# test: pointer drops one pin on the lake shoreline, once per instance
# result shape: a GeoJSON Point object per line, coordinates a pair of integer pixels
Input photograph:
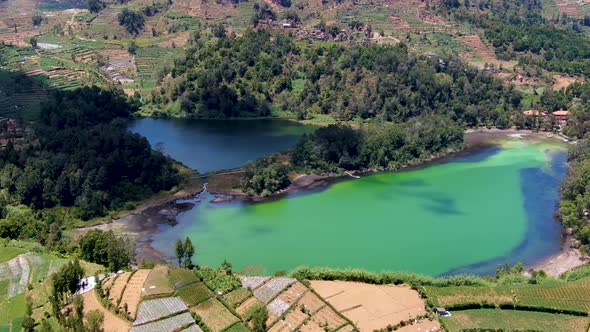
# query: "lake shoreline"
{"type": "Point", "coordinates": [142, 225]}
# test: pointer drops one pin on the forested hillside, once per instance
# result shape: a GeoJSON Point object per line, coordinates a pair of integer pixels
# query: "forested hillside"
{"type": "Point", "coordinates": [250, 75]}
{"type": "Point", "coordinates": [518, 31]}
{"type": "Point", "coordinates": [78, 154]}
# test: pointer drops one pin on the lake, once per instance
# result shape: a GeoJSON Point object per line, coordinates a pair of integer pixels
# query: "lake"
{"type": "Point", "coordinates": [213, 145]}
{"type": "Point", "coordinates": [466, 215]}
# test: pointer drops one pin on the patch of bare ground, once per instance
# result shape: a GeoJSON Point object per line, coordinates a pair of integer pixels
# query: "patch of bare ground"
{"type": "Point", "coordinates": [112, 323]}
{"type": "Point", "coordinates": [560, 82]}
{"type": "Point", "coordinates": [249, 303]}
{"type": "Point", "coordinates": [399, 23]}
{"type": "Point", "coordinates": [311, 303]}
{"type": "Point", "coordinates": [177, 41]}
{"type": "Point", "coordinates": [132, 293]}
{"type": "Point", "coordinates": [157, 282]}
{"type": "Point", "coordinates": [204, 9]}
{"type": "Point", "coordinates": [568, 7]}
{"type": "Point", "coordinates": [486, 52]}
{"type": "Point", "coordinates": [118, 286]}
{"type": "Point", "coordinates": [565, 260]}
{"type": "Point", "coordinates": [328, 318]}
{"type": "Point", "coordinates": [371, 307]}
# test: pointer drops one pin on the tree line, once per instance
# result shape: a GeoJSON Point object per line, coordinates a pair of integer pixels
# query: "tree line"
{"type": "Point", "coordinates": [338, 148]}
{"type": "Point", "coordinates": [249, 75]}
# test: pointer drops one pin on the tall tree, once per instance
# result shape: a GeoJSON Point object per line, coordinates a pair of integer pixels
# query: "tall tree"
{"type": "Point", "coordinates": [189, 251]}
{"type": "Point", "coordinates": [179, 251]}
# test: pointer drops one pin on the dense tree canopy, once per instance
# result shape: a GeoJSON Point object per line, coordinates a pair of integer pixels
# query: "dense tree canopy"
{"type": "Point", "coordinates": [132, 21]}
{"type": "Point", "coordinates": [574, 207]}
{"type": "Point", "coordinates": [385, 147]}
{"type": "Point", "coordinates": [232, 77]}
{"type": "Point", "coordinates": [80, 155]}
{"type": "Point", "coordinates": [106, 249]}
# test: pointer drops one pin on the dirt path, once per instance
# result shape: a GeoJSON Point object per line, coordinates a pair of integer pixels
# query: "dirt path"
{"type": "Point", "coordinates": [112, 323]}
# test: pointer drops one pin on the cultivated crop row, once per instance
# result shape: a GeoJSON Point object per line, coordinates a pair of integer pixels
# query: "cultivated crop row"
{"type": "Point", "coordinates": [152, 310]}
{"type": "Point", "coordinates": [174, 323]}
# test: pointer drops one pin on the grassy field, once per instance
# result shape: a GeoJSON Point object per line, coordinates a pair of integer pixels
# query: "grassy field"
{"type": "Point", "coordinates": [9, 253]}
{"type": "Point", "coordinates": [514, 320]}
{"type": "Point", "coordinates": [194, 293]}
{"type": "Point", "coordinates": [572, 296]}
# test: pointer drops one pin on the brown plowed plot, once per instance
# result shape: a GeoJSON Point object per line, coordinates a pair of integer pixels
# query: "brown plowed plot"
{"type": "Point", "coordinates": [399, 23]}
{"type": "Point", "coordinates": [246, 306]}
{"type": "Point", "coordinates": [215, 315]}
{"type": "Point", "coordinates": [327, 317]}
{"type": "Point", "coordinates": [293, 293]}
{"type": "Point", "coordinates": [280, 327]}
{"type": "Point", "coordinates": [294, 318]}
{"type": "Point", "coordinates": [474, 41]}
{"type": "Point", "coordinates": [157, 282]}
{"type": "Point", "coordinates": [118, 287]}
{"type": "Point", "coordinates": [153, 310]}
{"type": "Point", "coordinates": [568, 7]}
{"type": "Point", "coordinates": [111, 323]}
{"type": "Point", "coordinates": [272, 288]}
{"type": "Point", "coordinates": [132, 292]}
{"type": "Point", "coordinates": [311, 302]}
{"type": "Point", "coordinates": [311, 326]}
{"type": "Point", "coordinates": [371, 307]}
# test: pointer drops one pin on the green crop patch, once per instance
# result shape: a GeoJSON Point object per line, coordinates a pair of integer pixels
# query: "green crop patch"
{"type": "Point", "coordinates": [194, 293]}
{"type": "Point", "coordinates": [508, 320]}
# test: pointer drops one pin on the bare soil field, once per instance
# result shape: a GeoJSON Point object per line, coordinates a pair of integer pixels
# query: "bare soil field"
{"type": "Point", "coordinates": [311, 302]}
{"type": "Point", "coordinates": [132, 293]}
{"type": "Point", "coordinates": [327, 317]}
{"type": "Point", "coordinates": [249, 303]}
{"type": "Point", "coordinates": [479, 48]}
{"type": "Point", "coordinates": [293, 293]}
{"type": "Point", "coordinates": [118, 286]}
{"type": "Point", "coordinates": [371, 307]}
{"type": "Point", "coordinates": [568, 7]}
{"type": "Point", "coordinates": [112, 323]}
{"type": "Point", "coordinates": [563, 81]}
{"type": "Point", "coordinates": [295, 318]}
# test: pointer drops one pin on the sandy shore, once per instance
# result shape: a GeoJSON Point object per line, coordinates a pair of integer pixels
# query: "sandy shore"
{"type": "Point", "coordinates": [555, 265]}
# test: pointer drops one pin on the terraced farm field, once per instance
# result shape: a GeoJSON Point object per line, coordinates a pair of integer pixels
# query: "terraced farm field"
{"type": "Point", "coordinates": [514, 320]}
{"type": "Point", "coordinates": [22, 269]}
{"type": "Point", "coordinates": [572, 296]}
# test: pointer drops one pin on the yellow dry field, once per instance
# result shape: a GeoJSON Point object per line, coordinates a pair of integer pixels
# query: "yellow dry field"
{"type": "Point", "coordinates": [371, 307]}
{"type": "Point", "coordinates": [112, 323]}
{"type": "Point", "coordinates": [132, 293]}
{"type": "Point", "coordinates": [158, 282]}
{"type": "Point", "coordinates": [118, 287]}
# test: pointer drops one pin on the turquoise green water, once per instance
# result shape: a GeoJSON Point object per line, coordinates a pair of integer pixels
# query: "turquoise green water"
{"type": "Point", "coordinates": [466, 215]}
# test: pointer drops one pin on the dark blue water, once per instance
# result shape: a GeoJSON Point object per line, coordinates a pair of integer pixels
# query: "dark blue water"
{"type": "Point", "coordinates": [213, 145]}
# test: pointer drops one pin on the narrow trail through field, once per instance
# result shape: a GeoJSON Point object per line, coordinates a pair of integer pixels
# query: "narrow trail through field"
{"type": "Point", "coordinates": [111, 321]}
